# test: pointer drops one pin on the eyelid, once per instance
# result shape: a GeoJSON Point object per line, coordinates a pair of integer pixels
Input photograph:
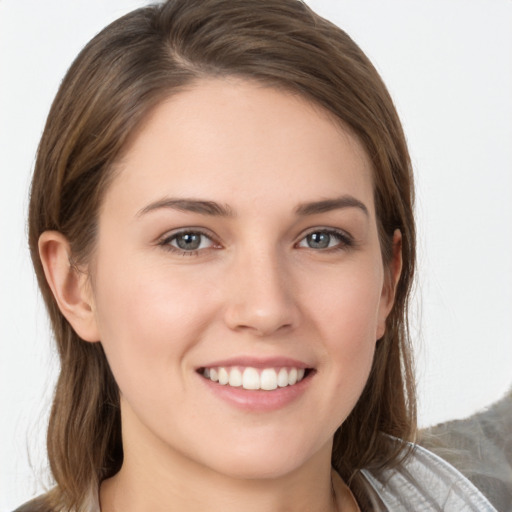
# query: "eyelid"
{"type": "Point", "coordinates": [346, 239]}
{"type": "Point", "coordinates": [165, 240]}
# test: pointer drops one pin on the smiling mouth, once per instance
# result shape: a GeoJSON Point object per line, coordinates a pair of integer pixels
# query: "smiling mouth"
{"type": "Point", "coordinates": [266, 379]}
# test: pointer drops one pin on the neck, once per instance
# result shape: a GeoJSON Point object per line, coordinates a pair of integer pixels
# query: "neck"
{"type": "Point", "coordinates": [128, 492]}
{"type": "Point", "coordinates": [158, 478]}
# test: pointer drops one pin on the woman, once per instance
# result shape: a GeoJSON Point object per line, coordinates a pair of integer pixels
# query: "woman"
{"type": "Point", "coordinates": [221, 225]}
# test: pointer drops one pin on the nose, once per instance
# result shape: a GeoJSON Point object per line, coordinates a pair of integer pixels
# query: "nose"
{"type": "Point", "coordinates": [260, 296]}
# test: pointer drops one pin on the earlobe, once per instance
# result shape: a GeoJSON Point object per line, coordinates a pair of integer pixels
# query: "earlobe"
{"type": "Point", "coordinates": [69, 286]}
{"type": "Point", "coordinates": [391, 281]}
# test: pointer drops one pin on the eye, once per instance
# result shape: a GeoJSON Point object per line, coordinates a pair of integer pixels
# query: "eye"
{"type": "Point", "coordinates": [187, 242]}
{"type": "Point", "coordinates": [326, 239]}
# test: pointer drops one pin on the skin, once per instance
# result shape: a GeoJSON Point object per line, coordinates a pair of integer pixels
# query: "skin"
{"type": "Point", "coordinates": [255, 288]}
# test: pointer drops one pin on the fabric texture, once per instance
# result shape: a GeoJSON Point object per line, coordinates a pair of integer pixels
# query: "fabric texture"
{"type": "Point", "coordinates": [480, 447]}
{"type": "Point", "coordinates": [423, 482]}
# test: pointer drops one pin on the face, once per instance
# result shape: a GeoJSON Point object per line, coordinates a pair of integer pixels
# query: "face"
{"type": "Point", "coordinates": [237, 286]}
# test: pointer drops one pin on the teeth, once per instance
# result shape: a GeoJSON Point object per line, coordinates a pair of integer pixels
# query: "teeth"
{"type": "Point", "coordinates": [235, 378]}
{"type": "Point", "coordinates": [223, 376]}
{"type": "Point", "coordinates": [282, 378]}
{"type": "Point", "coordinates": [266, 379]}
{"type": "Point", "coordinates": [251, 379]}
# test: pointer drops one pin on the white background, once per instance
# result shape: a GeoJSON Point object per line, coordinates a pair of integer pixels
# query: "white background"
{"type": "Point", "coordinates": [447, 63]}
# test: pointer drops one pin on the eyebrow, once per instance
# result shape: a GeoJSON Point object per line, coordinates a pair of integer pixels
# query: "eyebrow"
{"type": "Point", "coordinates": [327, 205]}
{"type": "Point", "coordinates": [212, 208]}
{"type": "Point", "coordinates": [189, 205]}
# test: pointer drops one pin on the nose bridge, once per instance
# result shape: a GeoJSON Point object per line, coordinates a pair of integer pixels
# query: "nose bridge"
{"type": "Point", "coordinates": [260, 292]}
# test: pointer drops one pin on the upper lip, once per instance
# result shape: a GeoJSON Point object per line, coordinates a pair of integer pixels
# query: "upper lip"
{"type": "Point", "coordinates": [258, 362]}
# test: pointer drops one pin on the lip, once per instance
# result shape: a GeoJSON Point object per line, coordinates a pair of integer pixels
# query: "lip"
{"type": "Point", "coordinates": [258, 400]}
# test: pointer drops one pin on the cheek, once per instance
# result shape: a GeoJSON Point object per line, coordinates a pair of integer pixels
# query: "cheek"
{"type": "Point", "coordinates": [347, 307]}
{"type": "Point", "coordinates": [148, 319]}
{"type": "Point", "coordinates": [346, 317]}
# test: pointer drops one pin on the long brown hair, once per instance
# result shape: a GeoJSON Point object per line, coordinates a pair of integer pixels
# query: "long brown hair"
{"type": "Point", "coordinates": [117, 79]}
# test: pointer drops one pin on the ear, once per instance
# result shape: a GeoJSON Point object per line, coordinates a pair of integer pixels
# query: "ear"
{"type": "Point", "coordinates": [392, 275]}
{"type": "Point", "coordinates": [70, 286]}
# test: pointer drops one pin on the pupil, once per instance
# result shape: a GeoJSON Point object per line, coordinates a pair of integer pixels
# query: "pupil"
{"type": "Point", "coordinates": [189, 241]}
{"type": "Point", "coordinates": [319, 240]}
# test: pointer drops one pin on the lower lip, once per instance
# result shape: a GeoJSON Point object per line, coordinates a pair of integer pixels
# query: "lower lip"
{"type": "Point", "coordinates": [258, 400]}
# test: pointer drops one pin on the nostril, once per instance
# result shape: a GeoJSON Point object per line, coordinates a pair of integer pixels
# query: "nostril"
{"type": "Point", "coordinates": [262, 307]}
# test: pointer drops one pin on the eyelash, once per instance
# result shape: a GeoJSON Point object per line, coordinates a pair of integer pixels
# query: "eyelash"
{"type": "Point", "coordinates": [165, 243]}
{"type": "Point", "coordinates": [345, 241]}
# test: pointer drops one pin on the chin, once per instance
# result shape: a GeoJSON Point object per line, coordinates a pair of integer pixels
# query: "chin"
{"type": "Point", "coordinates": [261, 468]}
{"type": "Point", "coordinates": [270, 461]}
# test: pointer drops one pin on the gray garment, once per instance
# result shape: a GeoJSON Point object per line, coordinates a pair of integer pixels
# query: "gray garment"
{"type": "Point", "coordinates": [424, 482]}
{"type": "Point", "coordinates": [480, 447]}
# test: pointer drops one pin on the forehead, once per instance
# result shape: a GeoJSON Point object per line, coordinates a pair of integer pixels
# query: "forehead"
{"type": "Point", "coordinates": [228, 136]}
